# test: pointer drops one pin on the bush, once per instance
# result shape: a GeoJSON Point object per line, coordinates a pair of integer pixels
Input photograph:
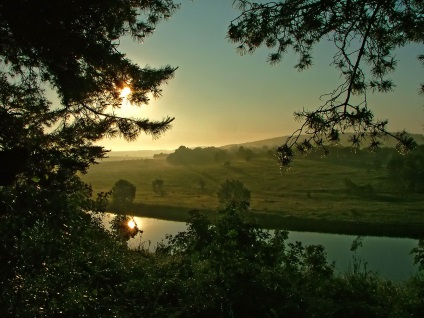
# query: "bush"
{"type": "Point", "coordinates": [123, 194]}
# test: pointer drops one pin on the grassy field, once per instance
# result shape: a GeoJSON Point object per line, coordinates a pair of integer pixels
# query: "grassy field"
{"type": "Point", "coordinates": [312, 194]}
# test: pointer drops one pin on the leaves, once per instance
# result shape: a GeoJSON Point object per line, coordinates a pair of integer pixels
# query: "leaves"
{"type": "Point", "coordinates": [123, 194]}
{"type": "Point", "coordinates": [60, 78]}
{"type": "Point", "coordinates": [365, 34]}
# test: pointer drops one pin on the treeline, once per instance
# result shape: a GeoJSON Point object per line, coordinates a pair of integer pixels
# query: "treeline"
{"type": "Point", "coordinates": [184, 155]}
{"type": "Point", "coordinates": [354, 157]}
{"type": "Point", "coordinates": [406, 172]}
{"type": "Point", "coordinates": [335, 154]}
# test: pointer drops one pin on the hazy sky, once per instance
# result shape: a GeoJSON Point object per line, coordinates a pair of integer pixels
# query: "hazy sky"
{"type": "Point", "coordinates": [219, 97]}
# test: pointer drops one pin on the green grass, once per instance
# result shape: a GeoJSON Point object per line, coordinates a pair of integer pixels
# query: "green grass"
{"type": "Point", "coordinates": [312, 191]}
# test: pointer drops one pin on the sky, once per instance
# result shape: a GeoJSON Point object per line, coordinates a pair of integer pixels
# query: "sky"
{"type": "Point", "coordinates": [219, 97]}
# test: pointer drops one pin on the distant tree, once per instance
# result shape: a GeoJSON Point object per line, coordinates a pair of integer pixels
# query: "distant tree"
{"type": "Point", "coordinates": [160, 155]}
{"type": "Point", "coordinates": [408, 171]}
{"type": "Point", "coordinates": [233, 192]}
{"type": "Point", "coordinates": [157, 185]}
{"type": "Point", "coordinates": [221, 155]}
{"type": "Point", "coordinates": [270, 154]}
{"type": "Point", "coordinates": [123, 194]}
{"type": "Point", "coordinates": [245, 153]}
{"type": "Point", "coordinates": [365, 34]}
{"type": "Point", "coordinates": [196, 156]}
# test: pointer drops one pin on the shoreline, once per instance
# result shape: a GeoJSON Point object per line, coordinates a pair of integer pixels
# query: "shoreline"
{"type": "Point", "coordinates": [291, 223]}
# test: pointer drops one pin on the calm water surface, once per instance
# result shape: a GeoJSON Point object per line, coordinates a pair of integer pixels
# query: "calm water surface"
{"type": "Point", "coordinates": [389, 257]}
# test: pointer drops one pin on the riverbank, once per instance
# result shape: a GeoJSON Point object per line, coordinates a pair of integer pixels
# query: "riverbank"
{"type": "Point", "coordinates": [291, 223]}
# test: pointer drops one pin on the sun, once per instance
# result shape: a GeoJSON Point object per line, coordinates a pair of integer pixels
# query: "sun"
{"type": "Point", "coordinates": [125, 92]}
{"type": "Point", "coordinates": [131, 224]}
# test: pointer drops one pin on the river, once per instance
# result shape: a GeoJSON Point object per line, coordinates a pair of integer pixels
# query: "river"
{"type": "Point", "coordinates": [389, 257]}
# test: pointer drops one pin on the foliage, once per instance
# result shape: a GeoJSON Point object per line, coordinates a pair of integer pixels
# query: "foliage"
{"type": "Point", "coordinates": [56, 258]}
{"type": "Point", "coordinates": [233, 192]}
{"type": "Point", "coordinates": [187, 156]}
{"type": "Point", "coordinates": [226, 268]}
{"type": "Point", "coordinates": [80, 61]}
{"type": "Point", "coordinates": [233, 268]}
{"type": "Point", "coordinates": [365, 34]}
{"type": "Point", "coordinates": [408, 171]}
{"type": "Point", "coordinates": [160, 155]}
{"type": "Point", "coordinates": [61, 78]}
{"type": "Point", "coordinates": [245, 153]}
{"type": "Point", "coordinates": [209, 155]}
{"type": "Point", "coordinates": [419, 254]}
{"type": "Point", "coordinates": [124, 227]}
{"type": "Point", "coordinates": [123, 194]}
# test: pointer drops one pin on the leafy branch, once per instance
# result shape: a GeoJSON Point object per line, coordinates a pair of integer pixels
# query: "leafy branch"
{"type": "Point", "coordinates": [365, 34]}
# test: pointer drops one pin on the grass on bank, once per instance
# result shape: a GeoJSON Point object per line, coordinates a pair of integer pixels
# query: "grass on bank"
{"type": "Point", "coordinates": [312, 190]}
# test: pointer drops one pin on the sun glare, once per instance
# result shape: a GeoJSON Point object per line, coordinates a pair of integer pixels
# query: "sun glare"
{"type": "Point", "coordinates": [125, 92]}
{"type": "Point", "coordinates": [131, 224]}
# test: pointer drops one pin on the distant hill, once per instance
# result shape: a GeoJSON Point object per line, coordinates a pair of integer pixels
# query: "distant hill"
{"type": "Point", "coordinates": [271, 142]}
{"type": "Point", "coordinates": [344, 140]}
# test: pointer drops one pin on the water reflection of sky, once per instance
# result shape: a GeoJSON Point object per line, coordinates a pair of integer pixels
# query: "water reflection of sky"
{"type": "Point", "coordinates": [154, 231]}
{"type": "Point", "coordinates": [390, 257]}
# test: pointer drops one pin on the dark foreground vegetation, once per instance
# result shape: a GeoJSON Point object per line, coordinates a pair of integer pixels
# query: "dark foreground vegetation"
{"type": "Point", "coordinates": [226, 268]}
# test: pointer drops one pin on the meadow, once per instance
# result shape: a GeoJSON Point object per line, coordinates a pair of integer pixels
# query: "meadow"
{"type": "Point", "coordinates": [311, 196]}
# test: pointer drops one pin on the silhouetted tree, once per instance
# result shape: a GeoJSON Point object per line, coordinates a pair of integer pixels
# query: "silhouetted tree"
{"type": "Point", "coordinates": [221, 155]}
{"type": "Point", "coordinates": [365, 34]}
{"type": "Point", "coordinates": [124, 227]}
{"type": "Point", "coordinates": [12, 162]}
{"type": "Point", "coordinates": [72, 46]}
{"type": "Point", "coordinates": [245, 153]}
{"type": "Point", "coordinates": [61, 77]}
{"type": "Point", "coordinates": [160, 155]}
{"type": "Point", "coordinates": [408, 171]}
{"type": "Point", "coordinates": [233, 192]}
{"type": "Point", "coordinates": [123, 194]}
{"type": "Point", "coordinates": [157, 185]}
